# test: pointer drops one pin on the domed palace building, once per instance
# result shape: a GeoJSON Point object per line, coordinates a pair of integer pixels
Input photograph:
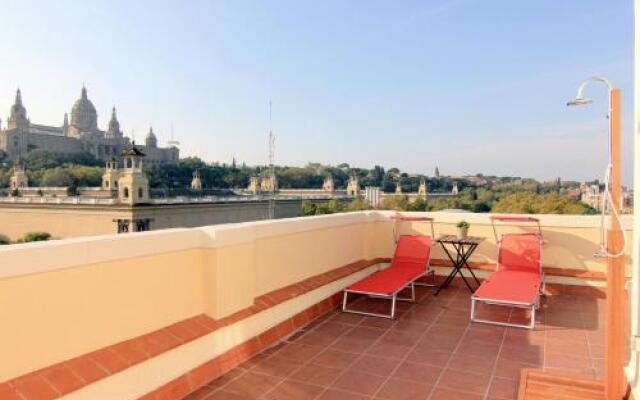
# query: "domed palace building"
{"type": "Point", "coordinates": [80, 134]}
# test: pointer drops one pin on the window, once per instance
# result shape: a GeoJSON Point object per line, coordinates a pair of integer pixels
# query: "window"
{"type": "Point", "coordinates": [125, 193]}
{"type": "Point", "coordinates": [140, 193]}
{"type": "Point", "coordinates": [123, 225]}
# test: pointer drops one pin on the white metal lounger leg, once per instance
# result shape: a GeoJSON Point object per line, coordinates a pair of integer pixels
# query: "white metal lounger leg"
{"type": "Point", "coordinates": [533, 317]}
{"type": "Point", "coordinates": [530, 325]}
{"type": "Point", "coordinates": [473, 309]}
{"type": "Point", "coordinates": [393, 299]}
{"type": "Point", "coordinates": [344, 301]}
{"type": "Point", "coordinates": [393, 306]}
{"type": "Point", "coordinates": [413, 293]}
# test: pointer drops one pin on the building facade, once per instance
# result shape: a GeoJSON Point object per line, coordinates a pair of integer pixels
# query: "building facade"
{"type": "Point", "coordinates": [80, 133]}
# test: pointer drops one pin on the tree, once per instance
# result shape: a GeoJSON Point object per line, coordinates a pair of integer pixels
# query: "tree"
{"type": "Point", "coordinates": [309, 207]}
{"type": "Point", "coordinates": [34, 237]}
{"type": "Point", "coordinates": [534, 203]}
{"type": "Point", "coordinates": [398, 203]}
{"type": "Point", "coordinates": [56, 177]}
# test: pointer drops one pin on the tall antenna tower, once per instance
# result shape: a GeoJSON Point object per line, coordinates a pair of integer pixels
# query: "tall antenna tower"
{"type": "Point", "coordinates": [172, 141]}
{"type": "Point", "coordinates": [272, 169]}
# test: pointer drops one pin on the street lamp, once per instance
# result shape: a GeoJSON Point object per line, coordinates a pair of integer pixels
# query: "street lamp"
{"type": "Point", "coordinates": [615, 245]}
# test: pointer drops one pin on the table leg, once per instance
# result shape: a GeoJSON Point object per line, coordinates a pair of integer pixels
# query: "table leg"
{"type": "Point", "coordinates": [451, 275]}
{"type": "Point", "coordinates": [466, 256]}
{"type": "Point", "coordinates": [462, 256]}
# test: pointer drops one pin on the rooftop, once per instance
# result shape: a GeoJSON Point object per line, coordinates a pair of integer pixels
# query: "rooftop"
{"type": "Point", "coordinates": [251, 310]}
{"type": "Point", "coordinates": [430, 351]}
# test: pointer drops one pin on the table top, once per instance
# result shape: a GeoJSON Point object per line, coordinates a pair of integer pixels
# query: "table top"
{"type": "Point", "coordinates": [454, 239]}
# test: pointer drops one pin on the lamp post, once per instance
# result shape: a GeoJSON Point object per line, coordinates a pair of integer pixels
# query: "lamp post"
{"type": "Point", "coordinates": [614, 330]}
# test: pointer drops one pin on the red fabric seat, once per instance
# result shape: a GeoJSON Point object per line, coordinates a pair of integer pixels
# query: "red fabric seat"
{"type": "Point", "coordinates": [518, 280]}
{"type": "Point", "coordinates": [385, 282]}
{"type": "Point", "coordinates": [510, 287]}
{"type": "Point", "coordinates": [410, 262]}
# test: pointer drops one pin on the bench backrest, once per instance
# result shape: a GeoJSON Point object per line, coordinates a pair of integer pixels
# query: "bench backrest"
{"type": "Point", "coordinates": [520, 252]}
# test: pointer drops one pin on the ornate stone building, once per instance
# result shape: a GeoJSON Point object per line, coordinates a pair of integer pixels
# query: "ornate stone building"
{"type": "Point", "coordinates": [79, 134]}
{"type": "Point", "coordinates": [329, 184]}
{"type": "Point", "coordinates": [196, 182]}
{"type": "Point", "coordinates": [353, 185]}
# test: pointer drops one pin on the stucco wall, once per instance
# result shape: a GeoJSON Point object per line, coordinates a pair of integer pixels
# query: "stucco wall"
{"type": "Point", "coordinates": [570, 240]}
{"type": "Point", "coordinates": [64, 221]}
{"type": "Point", "coordinates": [60, 222]}
{"type": "Point", "coordinates": [68, 297]}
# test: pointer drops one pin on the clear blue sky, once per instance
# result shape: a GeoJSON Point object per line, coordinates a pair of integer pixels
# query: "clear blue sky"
{"type": "Point", "coordinates": [470, 86]}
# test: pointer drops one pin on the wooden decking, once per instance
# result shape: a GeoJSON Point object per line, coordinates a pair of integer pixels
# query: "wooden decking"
{"type": "Point", "coordinates": [539, 385]}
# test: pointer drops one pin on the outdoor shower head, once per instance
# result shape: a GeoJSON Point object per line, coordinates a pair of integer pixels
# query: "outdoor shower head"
{"type": "Point", "coordinates": [579, 101]}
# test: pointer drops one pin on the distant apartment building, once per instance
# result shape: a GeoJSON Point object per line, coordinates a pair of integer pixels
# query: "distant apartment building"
{"type": "Point", "coordinates": [592, 195]}
{"type": "Point", "coordinates": [79, 134]}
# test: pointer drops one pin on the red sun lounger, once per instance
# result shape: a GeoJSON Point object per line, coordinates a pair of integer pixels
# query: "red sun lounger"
{"type": "Point", "coordinates": [518, 281]}
{"type": "Point", "coordinates": [410, 262]}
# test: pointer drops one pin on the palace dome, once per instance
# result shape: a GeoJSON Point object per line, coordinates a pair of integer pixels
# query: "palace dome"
{"type": "Point", "coordinates": [151, 140]}
{"type": "Point", "coordinates": [83, 114]}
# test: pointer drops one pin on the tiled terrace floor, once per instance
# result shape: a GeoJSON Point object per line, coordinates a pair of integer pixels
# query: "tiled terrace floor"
{"type": "Point", "coordinates": [430, 351]}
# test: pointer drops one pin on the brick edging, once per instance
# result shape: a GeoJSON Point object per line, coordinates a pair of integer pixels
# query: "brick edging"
{"type": "Point", "coordinates": [199, 376]}
{"type": "Point", "coordinates": [70, 375]}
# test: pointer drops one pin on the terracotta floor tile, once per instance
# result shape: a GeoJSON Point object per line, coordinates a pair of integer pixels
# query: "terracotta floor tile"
{"type": "Point", "coordinates": [200, 394]}
{"type": "Point", "coordinates": [448, 394]}
{"type": "Point", "coordinates": [390, 350]}
{"type": "Point", "coordinates": [299, 352]}
{"type": "Point", "coordinates": [350, 357]}
{"type": "Point", "coordinates": [346, 318]}
{"type": "Point", "coordinates": [370, 364]}
{"type": "Point", "coordinates": [465, 362]}
{"type": "Point", "coordinates": [317, 374]}
{"type": "Point", "coordinates": [277, 366]}
{"type": "Point", "coordinates": [403, 338]}
{"type": "Point", "coordinates": [252, 384]}
{"type": "Point", "coordinates": [359, 382]}
{"type": "Point", "coordinates": [531, 355]}
{"type": "Point", "coordinates": [566, 361]}
{"type": "Point", "coordinates": [398, 389]}
{"type": "Point", "coordinates": [418, 372]}
{"type": "Point", "coordinates": [333, 328]}
{"type": "Point", "coordinates": [335, 358]}
{"type": "Point", "coordinates": [226, 378]}
{"type": "Point", "coordinates": [596, 351]}
{"type": "Point", "coordinates": [511, 369]}
{"type": "Point", "coordinates": [464, 381]}
{"type": "Point", "coordinates": [225, 395]}
{"type": "Point", "coordinates": [334, 394]}
{"type": "Point", "coordinates": [293, 390]}
{"type": "Point", "coordinates": [500, 388]}
{"type": "Point", "coordinates": [314, 338]}
{"type": "Point", "coordinates": [409, 324]}
{"type": "Point", "coordinates": [353, 344]}
{"type": "Point", "coordinates": [427, 355]}
{"type": "Point", "coordinates": [375, 322]}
